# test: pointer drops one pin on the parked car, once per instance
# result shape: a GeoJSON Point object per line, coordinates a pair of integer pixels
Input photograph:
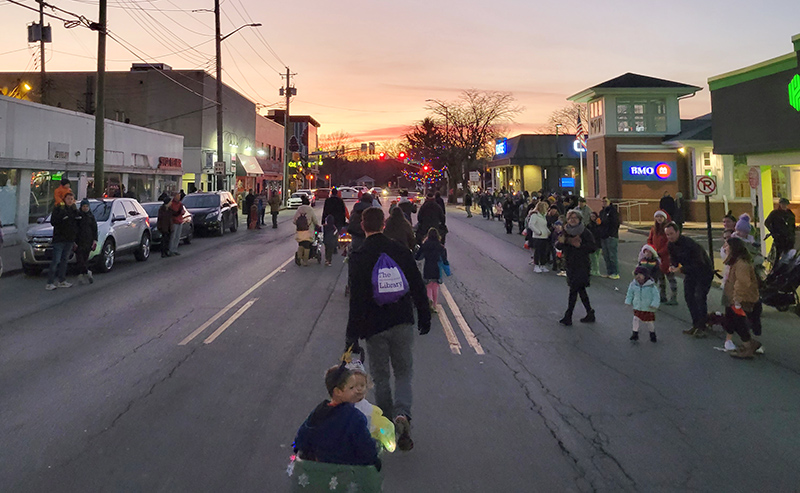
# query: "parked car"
{"type": "Point", "coordinates": [322, 193]}
{"type": "Point", "coordinates": [187, 231]}
{"type": "Point", "coordinates": [361, 190]}
{"type": "Point", "coordinates": [123, 226]}
{"type": "Point", "coordinates": [414, 197]}
{"type": "Point", "coordinates": [380, 192]}
{"type": "Point", "coordinates": [296, 200]}
{"type": "Point", "coordinates": [348, 193]}
{"type": "Point", "coordinates": [213, 212]}
{"type": "Point", "coordinates": [312, 196]}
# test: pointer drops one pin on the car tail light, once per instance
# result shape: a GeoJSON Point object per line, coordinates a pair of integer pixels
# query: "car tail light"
{"type": "Point", "coordinates": [147, 221]}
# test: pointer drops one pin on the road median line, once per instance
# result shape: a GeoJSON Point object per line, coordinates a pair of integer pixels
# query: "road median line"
{"type": "Point", "coordinates": [233, 303]}
{"type": "Point", "coordinates": [455, 346]}
{"type": "Point", "coordinates": [230, 321]}
{"type": "Point", "coordinates": [462, 322]}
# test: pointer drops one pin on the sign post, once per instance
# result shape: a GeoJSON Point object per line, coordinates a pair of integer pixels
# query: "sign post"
{"type": "Point", "coordinates": [707, 186]}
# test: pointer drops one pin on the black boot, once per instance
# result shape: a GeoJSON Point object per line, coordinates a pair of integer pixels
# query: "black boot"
{"type": "Point", "coordinates": [653, 337]}
{"type": "Point", "coordinates": [589, 318]}
{"type": "Point", "coordinates": [567, 320]}
{"type": "Point", "coordinates": [634, 336]}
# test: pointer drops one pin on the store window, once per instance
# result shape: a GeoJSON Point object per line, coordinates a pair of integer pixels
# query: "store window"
{"type": "Point", "coordinates": [43, 184]}
{"type": "Point", "coordinates": [641, 115]}
{"type": "Point", "coordinates": [706, 167]}
{"type": "Point", "coordinates": [9, 182]}
{"type": "Point", "coordinates": [596, 117]}
{"type": "Point", "coordinates": [741, 182]}
{"type": "Point", "coordinates": [141, 187]}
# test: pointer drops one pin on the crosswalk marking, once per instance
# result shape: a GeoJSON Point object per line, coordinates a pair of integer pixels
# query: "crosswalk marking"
{"type": "Point", "coordinates": [230, 321]}
{"type": "Point", "coordinates": [462, 323]}
{"type": "Point", "coordinates": [455, 346]}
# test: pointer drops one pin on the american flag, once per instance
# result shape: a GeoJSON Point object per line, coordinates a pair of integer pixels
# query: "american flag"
{"type": "Point", "coordinates": [581, 132]}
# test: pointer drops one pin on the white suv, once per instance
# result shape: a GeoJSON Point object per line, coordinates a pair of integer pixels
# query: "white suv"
{"type": "Point", "coordinates": [122, 227]}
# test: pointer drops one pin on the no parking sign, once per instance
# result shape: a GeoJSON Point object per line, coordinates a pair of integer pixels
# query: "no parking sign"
{"type": "Point", "coordinates": [705, 185]}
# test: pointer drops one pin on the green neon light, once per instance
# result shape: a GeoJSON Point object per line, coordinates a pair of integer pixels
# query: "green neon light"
{"type": "Point", "coordinates": [794, 92]}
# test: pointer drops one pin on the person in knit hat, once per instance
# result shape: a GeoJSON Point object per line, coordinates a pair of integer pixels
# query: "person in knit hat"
{"type": "Point", "coordinates": [648, 258]}
{"type": "Point", "coordinates": [743, 229]}
{"type": "Point", "coordinates": [644, 299]}
{"type": "Point", "coordinates": [658, 240]}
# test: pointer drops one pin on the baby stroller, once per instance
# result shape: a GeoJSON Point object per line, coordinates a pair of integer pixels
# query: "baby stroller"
{"type": "Point", "coordinates": [779, 289]}
{"type": "Point", "coordinates": [315, 251]}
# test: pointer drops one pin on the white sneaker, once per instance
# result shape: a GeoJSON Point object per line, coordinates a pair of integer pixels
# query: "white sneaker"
{"type": "Point", "coordinates": [562, 273]}
{"type": "Point", "coordinates": [544, 269]}
{"type": "Point", "coordinates": [537, 269]}
{"type": "Point", "coordinates": [50, 287]}
{"type": "Point", "coordinates": [760, 350]}
{"type": "Point", "coordinates": [730, 346]}
{"type": "Point", "coordinates": [89, 276]}
{"type": "Point", "coordinates": [64, 284]}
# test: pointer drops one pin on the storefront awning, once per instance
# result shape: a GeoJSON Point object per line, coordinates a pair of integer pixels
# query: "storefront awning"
{"type": "Point", "coordinates": [247, 166]}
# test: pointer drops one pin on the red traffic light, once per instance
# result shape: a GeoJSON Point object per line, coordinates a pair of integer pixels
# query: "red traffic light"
{"type": "Point", "coordinates": [382, 156]}
{"type": "Point", "coordinates": [426, 168]}
{"type": "Point", "coordinates": [401, 155]}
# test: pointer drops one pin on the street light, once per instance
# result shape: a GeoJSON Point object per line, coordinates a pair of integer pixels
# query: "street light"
{"type": "Point", "coordinates": [219, 38]}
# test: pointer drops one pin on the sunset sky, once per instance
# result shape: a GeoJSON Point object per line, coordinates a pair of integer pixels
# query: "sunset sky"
{"type": "Point", "coordinates": [367, 67]}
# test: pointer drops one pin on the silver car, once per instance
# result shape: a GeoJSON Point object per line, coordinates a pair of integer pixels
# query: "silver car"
{"type": "Point", "coordinates": [122, 227]}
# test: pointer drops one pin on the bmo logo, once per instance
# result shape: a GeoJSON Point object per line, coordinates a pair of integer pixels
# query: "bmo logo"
{"type": "Point", "coordinates": [648, 171]}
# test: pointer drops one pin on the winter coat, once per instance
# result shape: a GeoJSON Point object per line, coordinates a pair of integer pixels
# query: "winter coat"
{"type": "Point", "coordinates": [330, 236]}
{"type": "Point", "coordinates": [576, 259]}
{"type": "Point", "coordinates": [643, 297]}
{"type": "Point", "coordinates": [509, 210]}
{"type": "Point", "coordinates": [313, 223]}
{"type": "Point", "coordinates": [164, 219]}
{"type": "Point", "coordinates": [430, 215]}
{"type": "Point", "coordinates": [65, 227]}
{"type": "Point", "coordinates": [468, 200]}
{"type": "Point", "coordinates": [653, 265]}
{"type": "Point", "coordinates": [176, 208]}
{"type": "Point", "coordinates": [609, 222]}
{"type": "Point", "coordinates": [741, 286]}
{"type": "Point", "coordinates": [667, 204]}
{"type": "Point", "coordinates": [407, 207]}
{"type": "Point", "coordinates": [275, 203]}
{"type": "Point", "coordinates": [87, 229]}
{"type": "Point", "coordinates": [689, 254]}
{"type": "Point", "coordinates": [432, 251]}
{"type": "Point", "coordinates": [336, 435]}
{"type": "Point", "coordinates": [334, 206]}
{"type": "Point", "coordinates": [586, 214]}
{"type": "Point", "coordinates": [440, 202]}
{"type": "Point", "coordinates": [658, 240]}
{"type": "Point", "coordinates": [367, 318]}
{"type": "Point", "coordinates": [782, 225]}
{"type": "Point", "coordinates": [537, 224]}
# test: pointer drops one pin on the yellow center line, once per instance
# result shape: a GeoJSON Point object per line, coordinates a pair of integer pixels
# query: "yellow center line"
{"type": "Point", "coordinates": [230, 321]}
{"type": "Point", "coordinates": [233, 303]}
{"type": "Point", "coordinates": [468, 335]}
{"type": "Point", "coordinates": [455, 346]}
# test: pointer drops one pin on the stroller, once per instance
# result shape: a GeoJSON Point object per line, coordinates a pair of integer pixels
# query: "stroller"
{"type": "Point", "coordinates": [315, 251]}
{"type": "Point", "coordinates": [779, 289]}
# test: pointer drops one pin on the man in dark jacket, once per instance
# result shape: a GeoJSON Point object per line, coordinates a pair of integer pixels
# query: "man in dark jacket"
{"type": "Point", "coordinates": [440, 201]}
{"type": "Point", "coordinates": [275, 207]}
{"type": "Point", "coordinates": [249, 201]}
{"type": "Point", "coordinates": [334, 206]}
{"type": "Point", "coordinates": [357, 235]}
{"type": "Point", "coordinates": [686, 256]}
{"type": "Point", "coordinates": [406, 205]}
{"type": "Point", "coordinates": [65, 232]}
{"type": "Point", "coordinates": [86, 240]}
{"type": "Point", "coordinates": [468, 203]}
{"type": "Point", "coordinates": [667, 204]}
{"type": "Point", "coordinates": [388, 329]}
{"type": "Point", "coordinates": [164, 225]}
{"type": "Point", "coordinates": [781, 224]}
{"type": "Point", "coordinates": [609, 237]}
{"type": "Point", "coordinates": [430, 215]}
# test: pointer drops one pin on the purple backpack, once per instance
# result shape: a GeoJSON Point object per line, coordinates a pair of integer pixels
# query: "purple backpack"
{"type": "Point", "coordinates": [389, 284]}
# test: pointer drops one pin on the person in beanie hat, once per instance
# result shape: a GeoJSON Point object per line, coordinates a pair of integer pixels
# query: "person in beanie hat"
{"type": "Point", "coordinates": [61, 192]}
{"type": "Point", "coordinates": [743, 229]}
{"type": "Point", "coordinates": [658, 240]}
{"type": "Point", "coordinates": [644, 299]}
{"type": "Point", "coordinates": [86, 240]}
{"type": "Point", "coordinates": [577, 244]}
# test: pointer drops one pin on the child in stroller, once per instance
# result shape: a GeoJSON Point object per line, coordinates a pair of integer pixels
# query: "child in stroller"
{"type": "Point", "coordinates": [779, 289]}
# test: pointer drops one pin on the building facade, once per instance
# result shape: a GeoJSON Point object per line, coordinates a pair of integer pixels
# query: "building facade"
{"type": "Point", "coordinates": [757, 121]}
{"type": "Point", "coordinates": [43, 144]}
{"type": "Point", "coordinates": [535, 162]}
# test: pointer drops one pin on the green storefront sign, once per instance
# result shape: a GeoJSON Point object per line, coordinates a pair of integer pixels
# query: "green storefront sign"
{"type": "Point", "coordinates": [794, 92]}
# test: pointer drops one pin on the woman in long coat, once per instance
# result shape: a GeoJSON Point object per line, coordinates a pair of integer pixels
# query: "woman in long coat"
{"type": "Point", "coordinates": [577, 244]}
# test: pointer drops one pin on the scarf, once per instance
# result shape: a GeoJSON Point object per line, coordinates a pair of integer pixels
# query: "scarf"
{"type": "Point", "coordinates": [574, 230]}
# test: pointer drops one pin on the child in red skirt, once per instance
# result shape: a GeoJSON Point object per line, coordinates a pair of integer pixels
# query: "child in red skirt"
{"type": "Point", "coordinates": [644, 297]}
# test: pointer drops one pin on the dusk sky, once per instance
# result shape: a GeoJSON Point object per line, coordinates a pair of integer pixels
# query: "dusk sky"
{"type": "Point", "coordinates": [367, 67]}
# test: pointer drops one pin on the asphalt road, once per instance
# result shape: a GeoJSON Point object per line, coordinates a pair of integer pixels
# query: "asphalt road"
{"type": "Point", "coordinates": [193, 374]}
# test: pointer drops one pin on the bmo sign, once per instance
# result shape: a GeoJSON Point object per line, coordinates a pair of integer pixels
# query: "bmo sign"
{"type": "Point", "coordinates": [649, 171]}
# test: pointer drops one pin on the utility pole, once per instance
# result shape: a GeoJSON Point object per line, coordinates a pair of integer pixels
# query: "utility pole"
{"type": "Point", "coordinates": [220, 155]}
{"type": "Point", "coordinates": [288, 92]}
{"type": "Point", "coordinates": [100, 105]}
{"type": "Point", "coordinates": [42, 83]}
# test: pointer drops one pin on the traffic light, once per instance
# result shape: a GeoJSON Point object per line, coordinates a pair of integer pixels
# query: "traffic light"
{"type": "Point", "coordinates": [425, 168]}
{"type": "Point", "coordinates": [382, 155]}
{"type": "Point", "coordinates": [327, 177]}
{"type": "Point", "coordinates": [401, 155]}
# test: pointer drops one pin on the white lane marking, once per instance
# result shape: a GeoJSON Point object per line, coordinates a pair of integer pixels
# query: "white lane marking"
{"type": "Point", "coordinates": [230, 321]}
{"type": "Point", "coordinates": [233, 303]}
{"type": "Point", "coordinates": [455, 346]}
{"type": "Point", "coordinates": [471, 339]}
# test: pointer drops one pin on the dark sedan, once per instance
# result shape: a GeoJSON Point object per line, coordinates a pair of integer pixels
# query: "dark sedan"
{"type": "Point", "coordinates": [187, 232]}
{"type": "Point", "coordinates": [213, 212]}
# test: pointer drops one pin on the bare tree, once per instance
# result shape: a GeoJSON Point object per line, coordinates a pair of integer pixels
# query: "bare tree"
{"type": "Point", "coordinates": [469, 125]}
{"type": "Point", "coordinates": [568, 118]}
{"type": "Point", "coordinates": [335, 141]}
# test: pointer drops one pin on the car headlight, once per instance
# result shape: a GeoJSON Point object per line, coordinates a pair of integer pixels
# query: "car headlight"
{"type": "Point", "coordinates": [213, 215]}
